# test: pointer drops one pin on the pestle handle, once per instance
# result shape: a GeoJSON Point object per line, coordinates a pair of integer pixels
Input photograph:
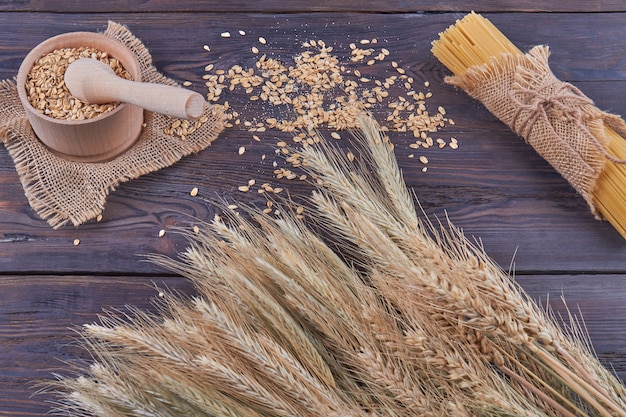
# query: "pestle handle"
{"type": "Point", "coordinates": [93, 81]}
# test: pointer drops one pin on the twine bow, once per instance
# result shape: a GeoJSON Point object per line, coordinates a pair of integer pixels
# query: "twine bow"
{"type": "Point", "coordinates": [558, 101]}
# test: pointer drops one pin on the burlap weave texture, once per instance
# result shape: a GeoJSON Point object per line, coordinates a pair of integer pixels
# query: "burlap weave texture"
{"type": "Point", "coordinates": [554, 117]}
{"type": "Point", "coordinates": [64, 192]}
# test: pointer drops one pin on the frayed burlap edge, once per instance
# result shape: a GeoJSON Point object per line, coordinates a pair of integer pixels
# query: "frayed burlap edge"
{"type": "Point", "coordinates": [554, 117]}
{"type": "Point", "coordinates": [64, 192]}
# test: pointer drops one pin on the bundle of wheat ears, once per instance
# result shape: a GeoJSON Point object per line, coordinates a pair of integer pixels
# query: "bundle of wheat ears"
{"type": "Point", "coordinates": [369, 310]}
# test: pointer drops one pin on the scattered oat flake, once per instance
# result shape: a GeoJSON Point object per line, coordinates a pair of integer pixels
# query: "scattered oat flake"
{"type": "Point", "coordinates": [99, 218]}
{"type": "Point", "coordinates": [242, 150]}
{"type": "Point", "coordinates": [272, 82]}
{"type": "Point", "coordinates": [255, 50]}
{"type": "Point", "coordinates": [423, 159]}
{"type": "Point", "coordinates": [187, 83]}
{"type": "Point", "coordinates": [233, 206]}
{"type": "Point", "coordinates": [225, 35]}
{"type": "Point", "coordinates": [243, 188]}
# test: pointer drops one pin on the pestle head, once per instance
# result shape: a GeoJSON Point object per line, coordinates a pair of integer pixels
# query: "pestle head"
{"type": "Point", "coordinates": [194, 106]}
{"type": "Point", "coordinates": [84, 77]}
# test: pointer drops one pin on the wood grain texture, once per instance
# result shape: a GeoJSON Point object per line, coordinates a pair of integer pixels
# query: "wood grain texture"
{"type": "Point", "coordinates": [279, 6]}
{"type": "Point", "coordinates": [494, 186]}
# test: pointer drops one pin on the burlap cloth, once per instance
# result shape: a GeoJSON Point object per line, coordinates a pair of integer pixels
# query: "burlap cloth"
{"type": "Point", "coordinates": [554, 117]}
{"type": "Point", "coordinates": [62, 191]}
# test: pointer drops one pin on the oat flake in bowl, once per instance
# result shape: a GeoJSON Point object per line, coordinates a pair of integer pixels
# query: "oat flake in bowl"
{"type": "Point", "coordinates": [46, 89]}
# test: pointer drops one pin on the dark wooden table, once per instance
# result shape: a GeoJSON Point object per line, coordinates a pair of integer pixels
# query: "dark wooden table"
{"type": "Point", "coordinates": [494, 186]}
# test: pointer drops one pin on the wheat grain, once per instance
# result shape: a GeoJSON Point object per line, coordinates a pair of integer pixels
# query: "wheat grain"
{"type": "Point", "coordinates": [308, 89]}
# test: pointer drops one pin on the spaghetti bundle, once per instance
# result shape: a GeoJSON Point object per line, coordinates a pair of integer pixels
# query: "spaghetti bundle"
{"type": "Point", "coordinates": [584, 144]}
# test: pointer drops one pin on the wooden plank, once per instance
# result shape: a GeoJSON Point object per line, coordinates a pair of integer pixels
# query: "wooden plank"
{"type": "Point", "coordinates": [597, 301]}
{"type": "Point", "coordinates": [278, 6]}
{"type": "Point", "coordinates": [176, 40]}
{"type": "Point", "coordinates": [38, 320]}
{"type": "Point", "coordinates": [39, 315]}
{"type": "Point", "coordinates": [495, 187]}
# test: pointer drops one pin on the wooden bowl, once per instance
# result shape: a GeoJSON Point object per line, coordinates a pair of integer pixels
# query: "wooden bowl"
{"type": "Point", "coordinates": [92, 140]}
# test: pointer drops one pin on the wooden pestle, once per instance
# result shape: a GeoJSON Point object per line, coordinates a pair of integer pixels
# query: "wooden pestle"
{"type": "Point", "coordinates": [94, 82]}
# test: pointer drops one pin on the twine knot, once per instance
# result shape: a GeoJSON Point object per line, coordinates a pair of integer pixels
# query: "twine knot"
{"type": "Point", "coordinates": [555, 100]}
{"type": "Point", "coordinates": [551, 103]}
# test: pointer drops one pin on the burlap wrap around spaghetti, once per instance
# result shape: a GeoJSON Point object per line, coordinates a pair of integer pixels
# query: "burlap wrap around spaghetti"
{"type": "Point", "coordinates": [553, 116]}
{"type": "Point", "coordinates": [62, 191]}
